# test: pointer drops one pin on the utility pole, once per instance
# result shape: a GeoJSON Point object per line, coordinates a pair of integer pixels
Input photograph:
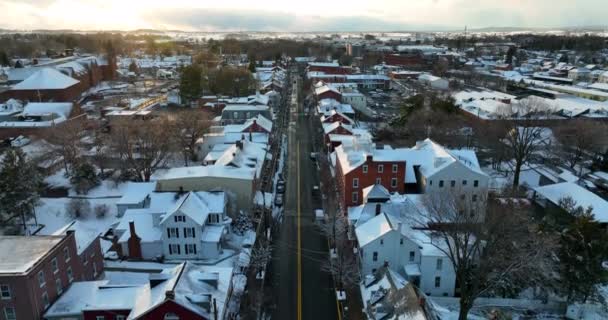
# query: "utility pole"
{"type": "Point", "coordinates": [465, 38]}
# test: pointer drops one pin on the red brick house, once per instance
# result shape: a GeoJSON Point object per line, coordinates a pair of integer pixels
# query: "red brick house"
{"type": "Point", "coordinates": [258, 124]}
{"type": "Point", "coordinates": [356, 170]}
{"type": "Point", "coordinates": [335, 116]}
{"type": "Point", "coordinates": [336, 128]}
{"type": "Point", "coordinates": [327, 92]}
{"type": "Point", "coordinates": [34, 272]}
{"type": "Point", "coordinates": [88, 247]}
{"type": "Point", "coordinates": [46, 85]}
{"type": "Point", "coordinates": [411, 60]}
{"type": "Point", "coordinates": [186, 291]}
{"type": "Point", "coordinates": [328, 67]}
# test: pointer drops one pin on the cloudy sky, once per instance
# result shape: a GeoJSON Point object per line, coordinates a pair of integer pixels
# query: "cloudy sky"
{"type": "Point", "coordinates": [301, 15]}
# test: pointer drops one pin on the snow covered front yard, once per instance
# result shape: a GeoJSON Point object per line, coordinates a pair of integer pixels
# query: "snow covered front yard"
{"type": "Point", "coordinates": [52, 214]}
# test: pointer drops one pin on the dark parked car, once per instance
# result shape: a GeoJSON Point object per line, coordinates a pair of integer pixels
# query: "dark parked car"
{"type": "Point", "coordinates": [281, 187]}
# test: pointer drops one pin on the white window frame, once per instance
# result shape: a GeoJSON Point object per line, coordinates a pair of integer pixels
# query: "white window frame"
{"type": "Point", "coordinates": [5, 288]}
{"type": "Point", "coordinates": [13, 316]}
{"type": "Point", "coordinates": [120, 317]}
{"type": "Point", "coordinates": [66, 254]}
{"type": "Point", "coordinates": [190, 248]}
{"type": "Point", "coordinates": [100, 318]}
{"type": "Point", "coordinates": [94, 269]}
{"type": "Point", "coordinates": [437, 282]}
{"type": "Point", "coordinates": [395, 168]}
{"type": "Point", "coordinates": [189, 232]}
{"type": "Point", "coordinates": [393, 182]}
{"type": "Point", "coordinates": [378, 180]}
{"type": "Point", "coordinates": [45, 299]}
{"type": "Point", "coordinates": [356, 183]}
{"type": "Point", "coordinates": [475, 183]}
{"type": "Point", "coordinates": [58, 286]}
{"type": "Point", "coordinates": [380, 168]}
{"type": "Point", "coordinates": [355, 197]}
{"type": "Point", "coordinates": [173, 232]}
{"type": "Point", "coordinates": [174, 248]}
{"type": "Point", "coordinates": [43, 282]}
{"type": "Point", "coordinates": [170, 316]}
{"type": "Point", "coordinates": [214, 218]}
{"type": "Point", "coordinates": [365, 168]}
{"type": "Point", "coordinates": [70, 274]}
{"type": "Point", "coordinates": [55, 265]}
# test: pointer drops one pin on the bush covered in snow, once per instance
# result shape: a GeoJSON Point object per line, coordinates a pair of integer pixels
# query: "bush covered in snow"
{"type": "Point", "coordinates": [100, 210]}
{"type": "Point", "coordinates": [242, 223]}
{"type": "Point", "coordinates": [78, 208]}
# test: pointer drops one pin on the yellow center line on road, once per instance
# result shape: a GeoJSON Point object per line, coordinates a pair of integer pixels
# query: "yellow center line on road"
{"type": "Point", "coordinates": [299, 311]}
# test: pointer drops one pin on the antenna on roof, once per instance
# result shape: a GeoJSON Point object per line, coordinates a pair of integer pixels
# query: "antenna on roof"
{"type": "Point", "coordinates": [465, 37]}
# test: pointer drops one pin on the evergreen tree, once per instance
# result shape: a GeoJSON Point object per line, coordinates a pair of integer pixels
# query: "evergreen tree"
{"type": "Point", "coordinates": [4, 60]}
{"type": "Point", "coordinates": [510, 54]}
{"type": "Point", "coordinates": [19, 187]}
{"type": "Point", "coordinates": [251, 65]}
{"type": "Point", "coordinates": [18, 64]}
{"type": "Point", "coordinates": [190, 85]}
{"type": "Point", "coordinates": [584, 246]}
{"type": "Point", "coordinates": [83, 177]}
{"type": "Point", "coordinates": [133, 67]}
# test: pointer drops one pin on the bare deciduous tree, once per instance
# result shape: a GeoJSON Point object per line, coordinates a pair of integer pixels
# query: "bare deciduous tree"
{"type": "Point", "coordinates": [187, 128]}
{"type": "Point", "coordinates": [65, 142]}
{"type": "Point", "coordinates": [142, 145]}
{"type": "Point", "coordinates": [524, 137]}
{"type": "Point", "coordinates": [579, 140]}
{"type": "Point", "coordinates": [489, 242]}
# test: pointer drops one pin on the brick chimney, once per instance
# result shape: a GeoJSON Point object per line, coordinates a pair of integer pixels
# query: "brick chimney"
{"type": "Point", "coordinates": [169, 295]}
{"type": "Point", "coordinates": [134, 242]}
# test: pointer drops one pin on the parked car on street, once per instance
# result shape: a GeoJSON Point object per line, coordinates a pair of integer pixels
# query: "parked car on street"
{"type": "Point", "coordinates": [278, 200]}
{"type": "Point", "coordinates": [281, 187]}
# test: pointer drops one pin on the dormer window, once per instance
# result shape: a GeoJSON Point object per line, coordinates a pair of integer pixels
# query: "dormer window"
{"type": "Point", "coordinates": [214, 218]}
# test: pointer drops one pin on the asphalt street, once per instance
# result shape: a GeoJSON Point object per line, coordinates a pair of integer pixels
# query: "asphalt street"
{"type": "Point", "coordinates": [301, 289]}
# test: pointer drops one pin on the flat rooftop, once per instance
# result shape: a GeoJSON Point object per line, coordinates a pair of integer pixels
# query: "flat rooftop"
{"type": "Point", "coordinates": [20, 253]}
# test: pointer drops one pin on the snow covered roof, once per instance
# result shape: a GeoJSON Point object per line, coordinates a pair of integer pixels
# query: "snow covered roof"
{"type": "Point", "coordinates": [376, 191]}
{"type": "Point", "coordinates": [95, 295]}
{"type": "Point", "coordinates": [83, 234]}
{"type": "Point", "coordinates": [428, 155]}
{"type": "Point", "coordinates": [325, 88]}
{"type": "Point", "coordinates": [18, 254]}
{"type": "Point", "coordinates": [145, 228]}
{"type": "Point", "coordinates": [324, 64]}
{"type": "Point", "coordinates": [327, 106]}
{"type": "Point", "coordinates": [380, 292]}
{"type": "Point", "coordinates": [242, 154]}
{"type": "Point", "coordinates": [245, 107]}
{"type": "Point", "coordinates": [330, 127]}
{"type": "Point", "coordinates": [46, 79]}
{"type": "Point", "coordinates": [373, 229]}
{"type": "Point", "coordinates": [259, 120]}
{"type": "Point", "coordinates": [443, 158]}
{"type": "Point", "coordinates": [192, 286]}
{"type": "Point", "coordinates": [198, 205]}
{"type": "Point", "coordinates": [136, 192]}
{"type": "Point", "coordinates": [207, 171]}
{"type": "Point", "coordinates": [61, 109]}
{"type": "Point", "coordinates": [582, 196]}
{"type": "Point", "coordinates": [332, 112]}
